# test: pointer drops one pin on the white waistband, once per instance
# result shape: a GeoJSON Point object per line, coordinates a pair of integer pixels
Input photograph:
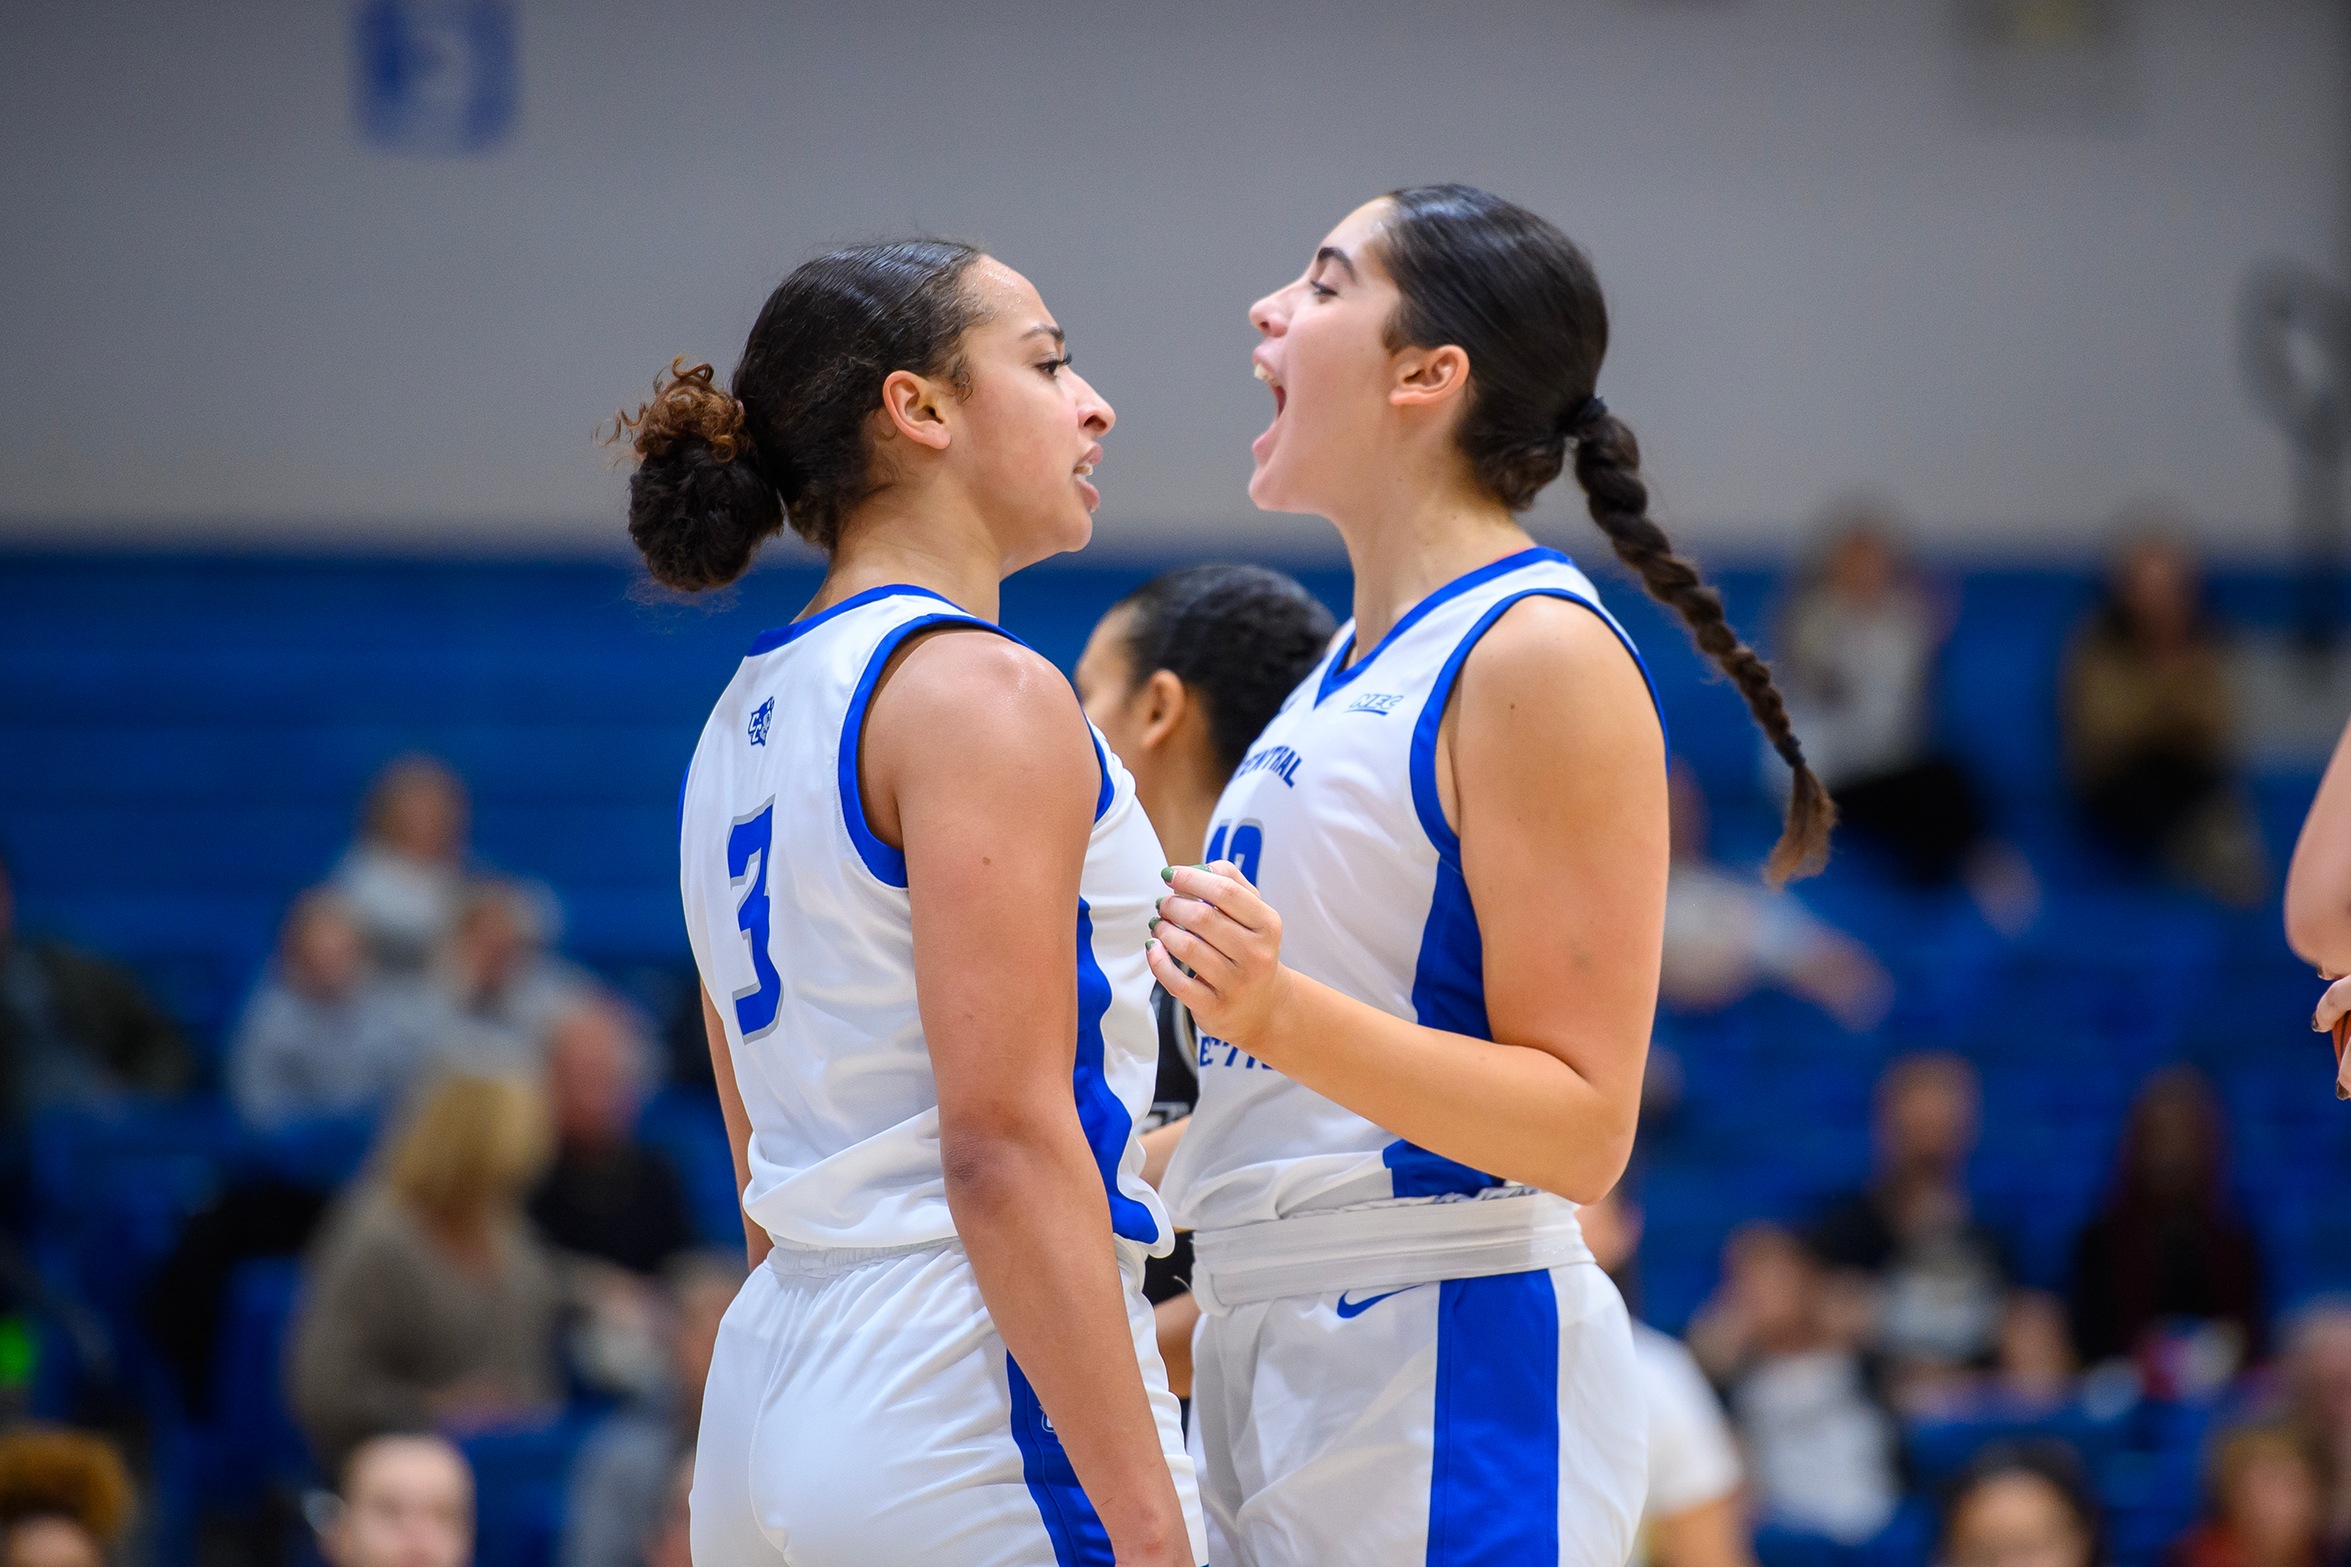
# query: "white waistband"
{"type": "Point", "coordinates": [807, 1262]}
{"type": "Point", "coordinates": [1383, 1247]}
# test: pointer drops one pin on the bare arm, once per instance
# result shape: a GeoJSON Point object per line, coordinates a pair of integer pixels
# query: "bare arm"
{"type": "Point", "coordinates": [1711, 1534]}
{"type": "Point", "coordinates": [1561, 803]}
{"type": "Point", "coordinates": [2318, 882]}
{"type": "Point", "coordinates": [977, 761]}
{"type": "Point", "coordinates": [756, 1241]}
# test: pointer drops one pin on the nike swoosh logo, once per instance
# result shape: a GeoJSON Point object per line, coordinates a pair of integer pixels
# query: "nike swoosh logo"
{"type": "Point", "coordinates": [1356, 1308]}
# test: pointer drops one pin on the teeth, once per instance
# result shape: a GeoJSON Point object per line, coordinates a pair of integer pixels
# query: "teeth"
{"type": "Point", "coordinates": [1085, 469]}
{"type": "Point", "coordinates": [1262, 374]}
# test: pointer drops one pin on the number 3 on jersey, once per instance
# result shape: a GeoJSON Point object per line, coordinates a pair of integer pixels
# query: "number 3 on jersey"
{"type": "Point", "coordinates": [754, 838]}
{"type": "Point", "coordinates": [1242, 843]}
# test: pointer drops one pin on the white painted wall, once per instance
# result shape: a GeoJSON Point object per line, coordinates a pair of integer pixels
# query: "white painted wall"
{"type": "Point", "coordinates": [228, 317]}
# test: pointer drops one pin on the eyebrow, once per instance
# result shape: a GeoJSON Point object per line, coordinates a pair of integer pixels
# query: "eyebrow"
{"type": "Point", "coordinates": [1334, 253]}
{"type": "Point", "coordinates": [1052, 332]}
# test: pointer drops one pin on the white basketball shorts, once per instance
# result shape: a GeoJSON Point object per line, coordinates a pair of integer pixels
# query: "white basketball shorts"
{"type": "Point", "coordinates": [1485, 1422]}
{"type": "Point", "coordinates": [861, 1411]}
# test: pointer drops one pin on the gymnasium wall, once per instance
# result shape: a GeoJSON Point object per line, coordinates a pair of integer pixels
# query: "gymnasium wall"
{"type": "Point", "coordinates": [263, 287]}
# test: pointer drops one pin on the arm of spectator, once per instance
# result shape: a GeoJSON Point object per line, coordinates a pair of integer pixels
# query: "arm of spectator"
{"type": "Point", "coordinates": [1821, 963]}
{"type": "Point", "coordinates": [1159, 1146]}
{"type": "Point", "coordinates": [1711, 1534]}
{"type": "Point", "coordinates": [2318, 882]}
{"type": "Point", "coordinates": [756, 1241]}
{"type": "Point", "coordinates": [1175, 1318]}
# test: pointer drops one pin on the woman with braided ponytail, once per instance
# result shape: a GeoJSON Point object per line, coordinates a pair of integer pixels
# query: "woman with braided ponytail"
{"type": "Point", "coordinates": [1423, 955]}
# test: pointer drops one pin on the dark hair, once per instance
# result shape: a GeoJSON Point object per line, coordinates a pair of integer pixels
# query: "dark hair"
{"type": "Point", "coordinates": [717, 474]}
{"type": "Point", "coordinates": [2052, 1462]}
{"type": "Point", "coordinates": [1519, 297]}
{"type": "Point", "coordinates": [1241, 636]}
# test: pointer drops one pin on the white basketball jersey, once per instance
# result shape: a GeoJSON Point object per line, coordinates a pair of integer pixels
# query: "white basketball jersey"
{"type": "Point", "coordinates": [1333, 813]}
{"type": "Point", "coordinates": [799, 921]}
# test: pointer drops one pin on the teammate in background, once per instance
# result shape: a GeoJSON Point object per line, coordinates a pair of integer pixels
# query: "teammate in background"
{"type": "Point", "coordinates": [1694, 1516]}
{"type": "Point", "coordinates": [1415, 1069]}
{"type": "Point", "coordinates": [1180, 676]}
{"type": "Point", "coordinates": [916, 888]}
{"type": "Point", "coordinates": [2318, 901]}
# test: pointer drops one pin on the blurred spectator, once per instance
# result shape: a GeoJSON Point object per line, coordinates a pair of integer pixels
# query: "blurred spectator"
{"type": "Point", "coordinates": [404, 874]}
{"type": "Point", "coordinates": [621, 1485]}
{"type": "Point", "coordinates": [1859, 648]}
{"type": "Point", "coordinates": [65, 1498]}
{"type": "Point", "coordinates": [502, 989]}
{"type": "Point", "coordinates": [1726, 934]}
{"type": "Point", "coordinates": [2148, 728]}
{"type": "Point", "coordinates": [2021, 1505]}
{"type": "Point", "coordinates": [405, 1500]}
{"type": "Point", "coordinates": [430, 1299]}
{"type": "Point", "coordinates": [2037, 1364]}
{"type": "Point", "coordinates": [323, 1036]}
{"type": "Point", "coordinates": [606, 1195]}
{"type": "Point", "coordinates": [2169, 1247]}
{"type": "Point", "coordinates": [2317, 1367]}
{"type": "Point", "coordinates": [1940, 1278]}
{"type": "Point", "coordinates": [2266, 1504]}
{"type": "Point", "coordinates": [1820, 1451]}
{"type": "Point", "coordinates": [74, 1028]}
{"type": "Point", "coordinates": [1693, 1517]}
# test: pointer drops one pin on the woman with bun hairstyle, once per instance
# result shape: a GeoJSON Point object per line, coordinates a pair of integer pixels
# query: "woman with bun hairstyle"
{"type": "Point", "coordinates": [916, 888]}
{"type": "Point", "coordinates": [1423, 957]}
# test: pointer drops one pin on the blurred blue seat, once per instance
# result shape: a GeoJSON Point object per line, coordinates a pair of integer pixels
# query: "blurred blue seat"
{"type": "Point", "coordinates": [520, 1477]}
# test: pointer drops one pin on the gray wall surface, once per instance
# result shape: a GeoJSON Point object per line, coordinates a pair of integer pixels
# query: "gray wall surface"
{"type": "Point", "coordinates": [1848, 243]}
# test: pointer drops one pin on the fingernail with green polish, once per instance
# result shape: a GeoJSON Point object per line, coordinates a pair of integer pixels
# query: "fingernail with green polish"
{"type": "Point", "coordinates": [1148, 945]}
{"type": "Point", "coordinates": [1167, 873]}
{"type": "Point", "coordinates": [1152, 923]}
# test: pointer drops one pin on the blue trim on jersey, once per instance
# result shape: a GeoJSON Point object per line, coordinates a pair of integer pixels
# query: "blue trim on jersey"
{"type": "Point", "coordinates": [769, 641]}
{"type": "Point", "coordinates": [1105, 1120]}
{"type": "Point", "coordinates": [1432, 714]}
{"type": "Point", "coordinates": [1449, 978]}
{"type": "Point", "coordinates": [887, 864]}
{"type": "Point", "coordinates": [1109, 791]}
{"type": "Point", "coordinates": [1338, 672]}
{"type": "Point", "coordinates": [1079, 1539]}
{"type": "Point", "coordinates": [1494, 1467]}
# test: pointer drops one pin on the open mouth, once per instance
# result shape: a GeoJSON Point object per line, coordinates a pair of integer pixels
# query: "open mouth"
{"type": "Point", "coordinates": [1084, 473]}
{"type": "Point", "coordinates": [1281, 398]}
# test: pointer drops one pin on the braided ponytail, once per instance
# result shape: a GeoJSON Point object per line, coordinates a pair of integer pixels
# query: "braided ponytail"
{"type": "Point", "coordinates": [1521, 300]}
{"type": "Point", "coordinates": [1608, 465]}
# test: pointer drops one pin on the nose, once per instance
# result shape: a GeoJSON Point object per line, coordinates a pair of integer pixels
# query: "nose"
{"type": "Point", "coordinates": [1095, 415]}
{"type": "Point", "coordinates": [1271, 315]}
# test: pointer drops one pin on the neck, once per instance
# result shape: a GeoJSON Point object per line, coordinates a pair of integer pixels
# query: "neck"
{"type": "Point", "coordinates": [934, 540]}
{"type": "Point", "coordinates": [1412, 541]}
{"type": "Point", "coordinates": [1180, 812]}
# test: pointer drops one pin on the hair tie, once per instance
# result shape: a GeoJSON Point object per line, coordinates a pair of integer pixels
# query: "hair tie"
{"type": "Point", "coordinates": [1582, 417]}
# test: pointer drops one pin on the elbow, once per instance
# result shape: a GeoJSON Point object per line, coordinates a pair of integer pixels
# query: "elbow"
{"type": "Point", "coordinates": [2317, 934]}
{"type": "Point", "coordinates": [1586, 1174]}
{"type": "Point", "coordinates": [991, 1170]}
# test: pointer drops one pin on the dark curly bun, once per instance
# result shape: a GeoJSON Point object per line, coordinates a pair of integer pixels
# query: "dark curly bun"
{"type": "Point", "coordinates": [699, 504]}
{"type": "Point", "coordinates": [718, 474]}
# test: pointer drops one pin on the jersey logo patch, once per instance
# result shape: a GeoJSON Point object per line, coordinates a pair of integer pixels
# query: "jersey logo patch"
{"type": "Point", "coordinates": [1376, 702]}
{"type": "Point", "coordinates": [1356, 1308]}
{"type": "Point", "coordinates": [759, 720]}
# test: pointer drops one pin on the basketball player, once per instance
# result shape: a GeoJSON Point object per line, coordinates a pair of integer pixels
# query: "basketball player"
{"type": "Point", "coordinates": [916, 889]}
{"type": "Point", "coordinates": [1413, 1071]}
{"type": "Point", "coordinates": [1179, 677]}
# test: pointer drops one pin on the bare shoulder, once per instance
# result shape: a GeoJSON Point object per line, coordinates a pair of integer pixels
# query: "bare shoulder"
{"type": "Point", "coordinates": [1549, 655]}
{"type": "Point", "coordinates": [969, 697]}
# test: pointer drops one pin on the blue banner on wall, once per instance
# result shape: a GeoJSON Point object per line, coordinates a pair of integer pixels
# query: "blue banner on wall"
{"type": "Point", "coordinates": [434, 78]}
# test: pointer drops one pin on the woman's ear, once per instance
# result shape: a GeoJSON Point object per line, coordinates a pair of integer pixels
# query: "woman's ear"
{"type": "Point", "coordinates": [915, 407]}
{"type": "Point", "coordinates": [1166, 703]}
{"type": "Point", "coordinates": [1428, 377]}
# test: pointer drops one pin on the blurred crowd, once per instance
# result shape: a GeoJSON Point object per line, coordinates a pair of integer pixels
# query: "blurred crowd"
{"type": "Point", "coordinates": [512, 1247]}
